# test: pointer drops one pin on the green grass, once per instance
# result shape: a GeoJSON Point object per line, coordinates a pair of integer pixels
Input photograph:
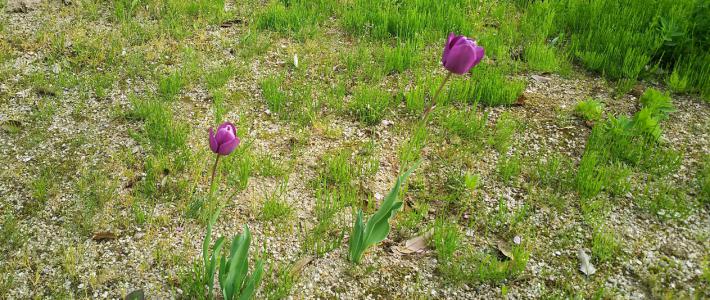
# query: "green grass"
{"type": "Point", "coordinates": [275, 207]}
{"type": "Point", "coordinates": [487, 85]}
{"type": "Point", "coordinates": [406, 20]}
{"type": "Point", "coordinates": [11, 235]}
{"type": "Point", "coordinates": [502, 138]}
{"type": "Point", "coordinates": [399, 58]}
{"type": "Point", "coordinates": [298, 18]}
{"type": "Point", "coordinates": [703, 179]}
{"type": "Point", "coordinates": [160, 128]}
{"type": "Point", "coordinates": [446, 239]}
{"type": "Point", "coordinates": [370, 105]}
{"type": "Point", "coordinates": [280, 286]}
{"type": "Point", "coordinates": [542, 58]}
{"type": "Point", "coordinates": [43, 188]}
{"type": "Point", "coordinates": [553, 171]}
{"type": "Point", "coordinates": [94, 190]}
{"type": "Point", "coordinates": [410, 150]}
{"type": "Point", "coordinates": [170, 85]}
{"type": "Point", "coordinates": [509, 168]}
{"type": "Point", "coordinates": [589, 110]}
{"type": "Point", "coordinates": [239, 167]}
{"type": "Point", "coordinates": [605, 245]}
{"type": "Point", "coordinates": [665, 200]}
{"type": "Point", "coordinates": [273, 94]}
{"type": "Point", "coordinates": [467, 124]}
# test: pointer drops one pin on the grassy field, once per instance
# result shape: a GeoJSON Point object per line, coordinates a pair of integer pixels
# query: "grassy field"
{"type": "Point", "coordinates": [581, 140]}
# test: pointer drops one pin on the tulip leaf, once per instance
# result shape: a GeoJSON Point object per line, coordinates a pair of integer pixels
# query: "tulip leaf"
{"type": "Point", "coordinates": [356, 239]}
{"type": "Point", "coordinates": [210, 261]}
{"type": "Point", "coordinates": [252, 282]}
{"type": "Point", "coordinates": [234, 279]}
{"type": "Point", "coordinates": [377, 227]}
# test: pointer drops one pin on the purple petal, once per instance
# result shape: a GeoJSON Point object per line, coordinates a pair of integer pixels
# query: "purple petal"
{"type": "Point", "coordinates": [225, 125]}
{"type": "Point", "coordinates": [225, 134]}
{"type": "Point", "coordinates": [479, 52]}
{"type": "Point", "coordinates": [213, 142]}
{"type": "Point", "coordinates": [447, 47]}
{"type": "Point", "coordinates": [456, 40]}
{"type": "Point", "coordinates": [228, 147]}
{"type": "Point", "coordinates": [460, 59]}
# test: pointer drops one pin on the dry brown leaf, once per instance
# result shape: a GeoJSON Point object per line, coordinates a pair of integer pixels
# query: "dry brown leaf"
{"type": "Point", "coordinates": [414, 245]}
{"type": "Point", "coordinates": [585, 264]}
{"type": "Point", "coordinates": [103, 236]}
{"type": "Point", "coordinates": [297, 267]}
{"type": "Point", "coordinates": [504, 248]}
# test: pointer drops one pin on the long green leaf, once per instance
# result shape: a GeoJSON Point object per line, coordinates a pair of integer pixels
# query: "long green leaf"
{"type": "Point", "coordinates": [237, 265]}
{"type": "Point", "coordinates": [378, 226]}
{"type": "Point", "coordinates": [356, 238]}
{"type": "Point", "coordinates": [252, 282]}
{"type": "Point", "coordinates": [213, 264]}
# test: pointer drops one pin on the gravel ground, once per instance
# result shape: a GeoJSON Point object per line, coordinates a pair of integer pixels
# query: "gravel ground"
{"type": "Point", "coordinates": [56, 262]}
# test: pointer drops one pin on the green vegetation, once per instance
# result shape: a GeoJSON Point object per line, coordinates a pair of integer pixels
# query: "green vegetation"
{"type": "Point", "coordinates": [103, 138]}
{"type": "Point", "coordinates": [589, 110]}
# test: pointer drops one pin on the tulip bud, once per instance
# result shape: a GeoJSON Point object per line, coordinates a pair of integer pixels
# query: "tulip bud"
{"type": "Point", "coordinates": [225, 140]}
{"type": "Point", "coordinates": [461, 54]}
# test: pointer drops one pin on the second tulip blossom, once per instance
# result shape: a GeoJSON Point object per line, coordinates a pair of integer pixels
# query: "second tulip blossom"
{"type": "Point", "coordinates": [461, 54]}
{"type": "Point", "coordinates": [225, 140]}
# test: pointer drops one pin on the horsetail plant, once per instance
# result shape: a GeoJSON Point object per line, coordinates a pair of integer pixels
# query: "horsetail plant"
{"type": "Point", "coordinates": [365, 235]}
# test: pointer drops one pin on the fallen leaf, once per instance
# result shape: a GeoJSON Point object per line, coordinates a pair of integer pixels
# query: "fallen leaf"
{"type": "Point", "coordinates": [414, 245]}
{"type": "Point", "coordinates": [504, 248]}
{"type": "Point", "coordinates": [585, 265]}
{"type": "Point", "coordinates": [520, 101]}
{"type": "Point", "coordinates": [229, 23]}
{"type": "Point", "coordinates": [135, 295]}
{"type": "Point", "coordinates": [297, 267]}
{"type": "Point", "coordinates": [103, 236]}
{"type": "Point", "coordinates": [540, 78]}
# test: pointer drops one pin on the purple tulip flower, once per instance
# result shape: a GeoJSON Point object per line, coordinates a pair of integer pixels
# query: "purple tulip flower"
{"type": "Point", "coordinates": [461, 54]}
{"type": "Point", "coordinates": [226, 139]}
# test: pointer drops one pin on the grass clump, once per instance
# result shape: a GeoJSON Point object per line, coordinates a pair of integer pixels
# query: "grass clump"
{"type": "Point", "coordinates": [296, 17]}
{"type": "Point", "coordinates": [275, 205]}
{"type": "Point", "coordinates": [488, 86]}
{"type": "Point", "coordinates": [370, 104]}
{"type": "Point", "coordinates": [665, 200]}
{"type": "Point", "coordinates": [406, 20]}
{"type": "Point", "coordinates": [589, 110]}
{"type": "Point", "coordinates": [505, 128]}
{"type": "Point", "coordinates": [459, 263]}
{"type": "Point", "coordinates": [704, 181]}
{"type": "Point", "coordinates": [274, 96]}
{"type": "Point", "coordinates": [508, 168]}
{"type": "Point", "coordinates": [170, 85]}
{"type": "Point", "coordinates": [94, 190]}
{"type": "Point", "coordinates": [605, 245]}
{"type": "Point", "coordinates": [542, 58]}
{"type": "Point", "coordinates": [400, 58]}
{"type": "Point", "coordinates": [11, 235]}
{"type": "Point", "coordinates": [621, 45]}
{"type": "Point", "coordinates": [467, 124]}
{"type": "Point", "coordinates": [160, 127]}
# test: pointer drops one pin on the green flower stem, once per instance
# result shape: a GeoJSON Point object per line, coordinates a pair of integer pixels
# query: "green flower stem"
{"type": "Point", "coordinates": [212, 184]}
{"type": "Point", "coordinates": [436, 95]}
